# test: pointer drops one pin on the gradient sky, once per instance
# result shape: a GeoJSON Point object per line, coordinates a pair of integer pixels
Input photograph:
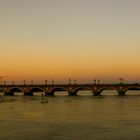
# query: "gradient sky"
{"type": "Point", "coordinates": [61, 39]}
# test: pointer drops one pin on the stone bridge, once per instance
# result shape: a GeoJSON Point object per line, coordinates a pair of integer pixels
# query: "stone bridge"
{"type": "Point", "coordinates": [72, 89]}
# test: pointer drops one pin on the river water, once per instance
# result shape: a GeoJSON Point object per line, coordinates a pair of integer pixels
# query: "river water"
{"type": "Point", "coordinates": [70, 118]}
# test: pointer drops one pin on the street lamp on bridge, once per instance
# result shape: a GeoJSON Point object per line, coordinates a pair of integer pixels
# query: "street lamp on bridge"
{"type": "Point", "coordinates": [32, 82]}
{"type": "Point", "coordinates": [98, 82]}
{"type": "Point", "coordinates": [46, 82]}
{"type": "Point", "coordinates": [1, 79]}
{"type": "Point", "coordinates": [24, 82]}
{"type": "Point", "coordinates": [13, 83]}
{"type": "Point", "coordinates": [52, 82]}
{"type": "Point", "coordinates": [94, 81]}
{"type": "Point", "coordinates": [69, 81]}
{"type": "Point", "coordinates": [75, 81]}
{"type": "Point", "coordinates": [121, 80]}
{"type": "Point", "coordinates": [5, 83]}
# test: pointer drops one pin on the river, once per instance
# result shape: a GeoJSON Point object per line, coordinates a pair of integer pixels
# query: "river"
{"type": "Point", "coordinates": [70, 118]}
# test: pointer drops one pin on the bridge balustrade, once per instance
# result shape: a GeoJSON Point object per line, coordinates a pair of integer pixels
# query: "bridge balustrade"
{"type": "Point", "coordinates": [72, 90]}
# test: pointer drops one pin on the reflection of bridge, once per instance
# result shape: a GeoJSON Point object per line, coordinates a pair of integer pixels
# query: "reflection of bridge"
{"type": "Point", "coordinates": [71, 89]}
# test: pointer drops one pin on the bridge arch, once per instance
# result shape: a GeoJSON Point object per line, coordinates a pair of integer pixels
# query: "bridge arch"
{"type": "Point", "coordinates": [59, 89]}
{"type": "Point", "coordinates": [34, 90]}
{"type": "Point", "coordinates": [132, 88]}
{"type": "Point", "coordinates": [1, 91]}
{"type": "Point", "coordinates": [82, 89]}
{"type": "Point", "coordinates": [107, 88]}
{"type": "Point", "coordinates": [13, 90]}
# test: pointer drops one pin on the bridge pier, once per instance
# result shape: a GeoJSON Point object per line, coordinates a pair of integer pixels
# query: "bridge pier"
{"type": "Point", "coordinates": [28, 93]}
{"type": "Point", "coordinates": [49, 94]}
{"type": "Point", "coordinates": [8, 93]}
{"type": "Point", "coordinates": [121, 93]}
{"type": "Point", "coordinates": [24, 93]}
{"type": "Point", "coordinates": [72, 94]}
{"type": "Point", "coordinates": [96, 93]}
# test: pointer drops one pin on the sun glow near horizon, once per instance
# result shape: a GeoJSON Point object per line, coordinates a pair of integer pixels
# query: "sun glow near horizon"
{"type": "Point", "coordinates": [62, 39]}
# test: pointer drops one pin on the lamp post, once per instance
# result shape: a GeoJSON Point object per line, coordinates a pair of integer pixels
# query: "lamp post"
{"type": "Point", "coordinates": [75, 81]}
{"type": "Point", "coordinates": [52, 82]}
{"type": "Point", "coordinates": [13, 83]}
{"type": "Point", "coordinates": [46, 82]}
{"type": "Point", "coordinates": [32, 82]}
{"type": "Point", "coordinates": [69, 81]}
{"type": "Point", "coordinates": [1, 80]}
{"type": "Point", "coordinates": [5, 83]}
{"type": "Point", "coordinates": [94, 81]}
{"type": "Point", "coordinates": [24, 82]}
{"type": "Point", "coordinates": [121, 80]}
{"type": "Point", "coordinates": [98, 82]}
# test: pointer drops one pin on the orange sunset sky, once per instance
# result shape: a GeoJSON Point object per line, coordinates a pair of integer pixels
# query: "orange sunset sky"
{"type": "Point", "coordinates": [77, 39]}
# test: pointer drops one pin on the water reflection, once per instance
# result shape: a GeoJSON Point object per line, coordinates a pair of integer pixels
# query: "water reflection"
{"type": "Point", "coordinates": [44, 100]}
{"type": "Point", "coordinates": [69, 118]}
{"type": "Point", "coordinates": [109, 92]}
{"type": "Point", "coordinates": [61, 93]}
{"type": "Point", "coordinates": [38, 93]}
{"type": "Point", "coordinates": [133, 92]}
{"type": "Point", "coordinates": [85, 93]}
